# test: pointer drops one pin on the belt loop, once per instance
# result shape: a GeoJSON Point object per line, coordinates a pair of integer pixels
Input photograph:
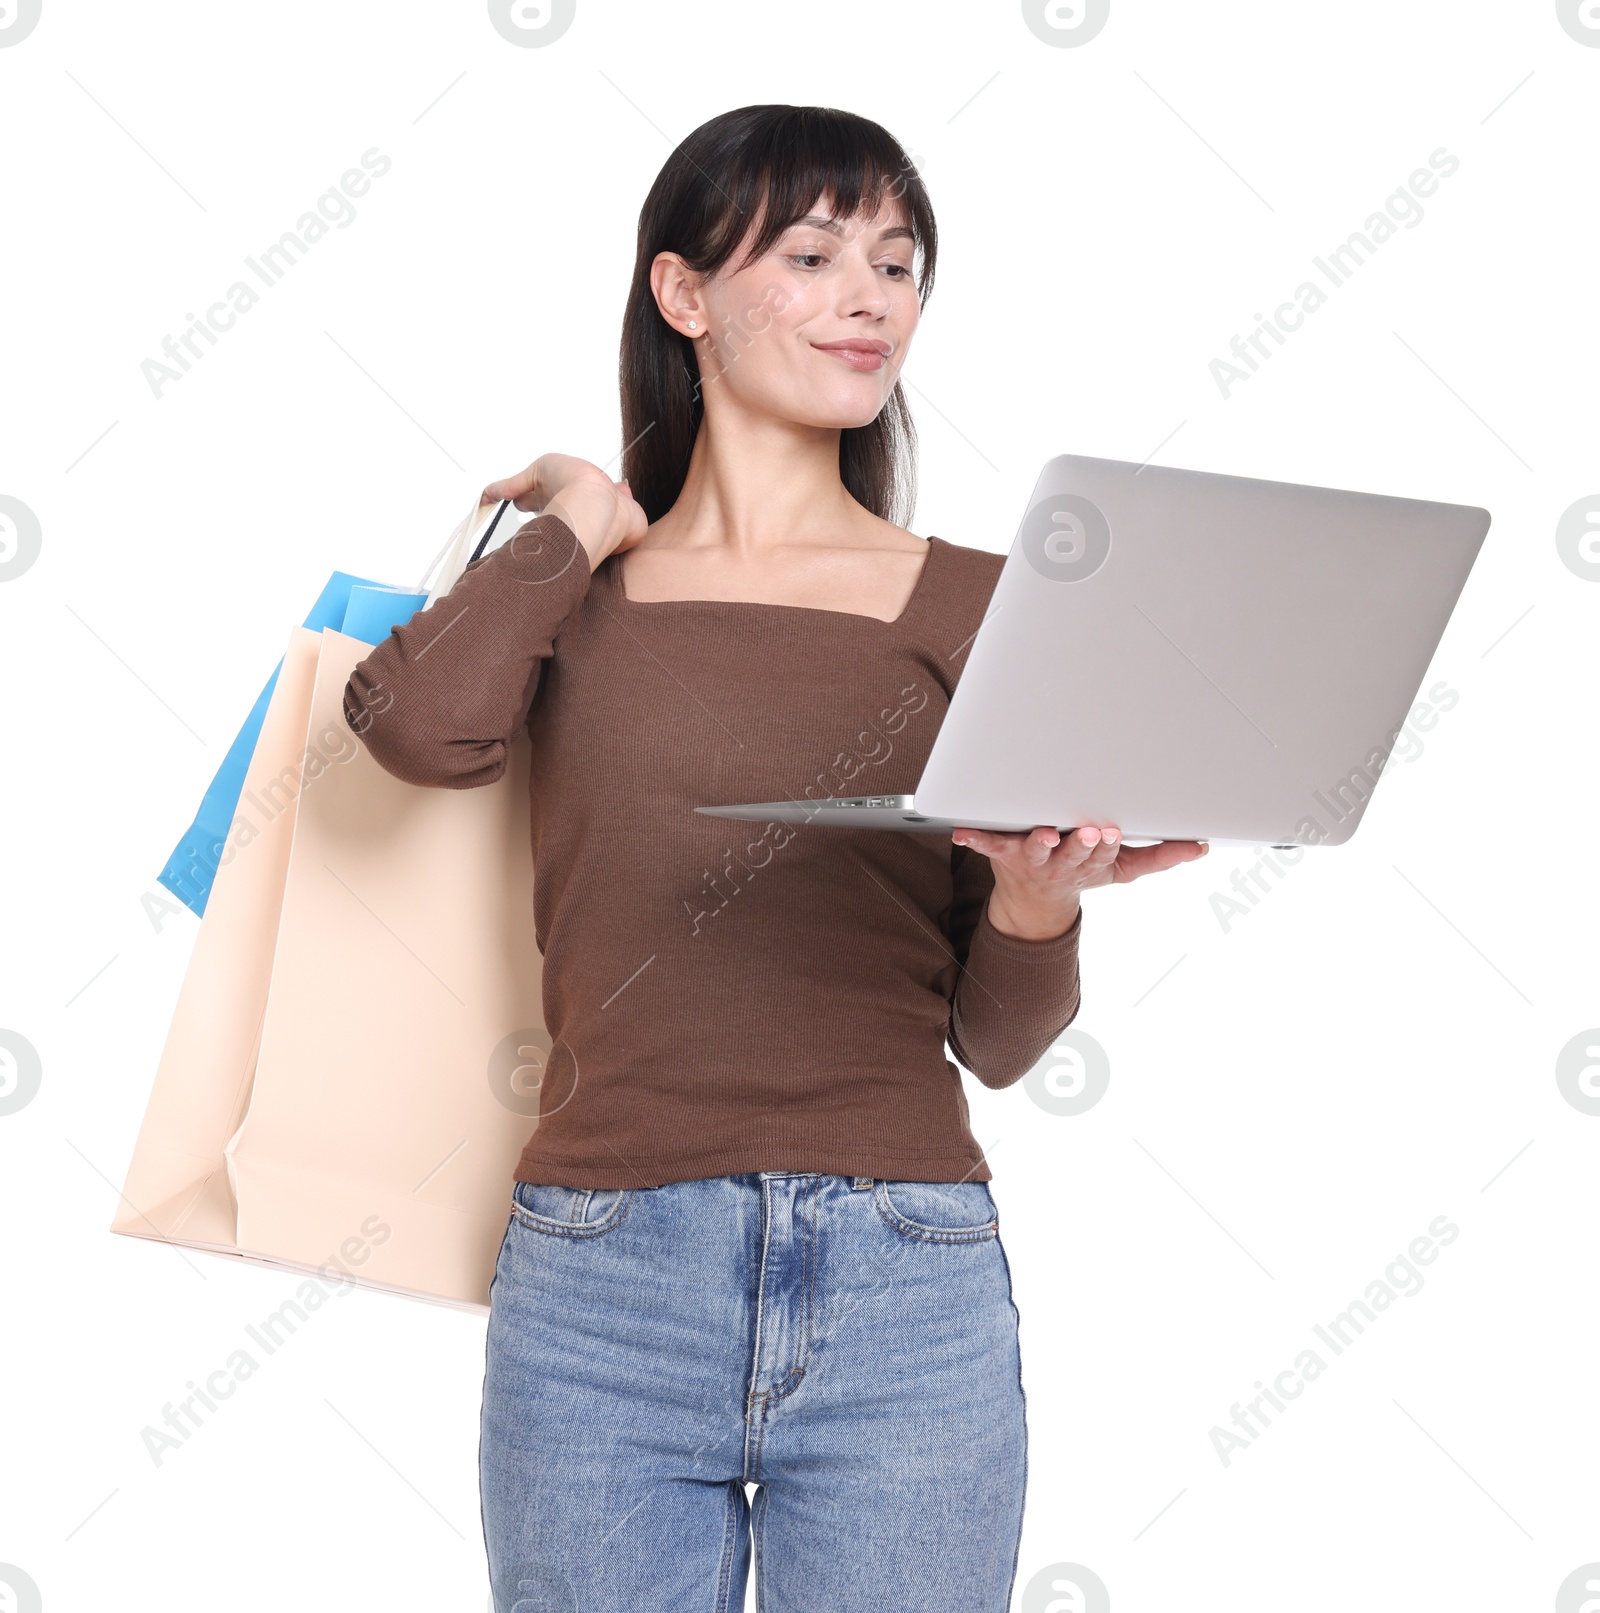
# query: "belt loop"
{"type": "Point", "coordinates": [860, 1182]}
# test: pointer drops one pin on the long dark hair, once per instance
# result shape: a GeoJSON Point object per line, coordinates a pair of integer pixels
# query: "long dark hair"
{"type": "Point", "coordinates": [768, 163]}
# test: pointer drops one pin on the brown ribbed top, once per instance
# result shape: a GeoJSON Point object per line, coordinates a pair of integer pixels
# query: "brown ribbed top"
{"type": "Point", "coordinates": [727, 997]}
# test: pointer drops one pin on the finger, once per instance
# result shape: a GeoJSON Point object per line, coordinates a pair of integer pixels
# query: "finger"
{"type": "Point", "coordinates": [977, 839]}
{"type": "Point", "coordinates": [518, 488]}
{"type": "Point", "coordinates": [1080, 845]}
{"type": "Point", "coordinates": [1138, 860]}
{"type": "Point", "coordinates": [991, 842]}
{"type": "Point", "coordinates": [1039, 846]}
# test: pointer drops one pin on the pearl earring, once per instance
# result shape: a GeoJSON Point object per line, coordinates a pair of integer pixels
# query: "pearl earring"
{"type": "Point", "coordinates": [691, 324]}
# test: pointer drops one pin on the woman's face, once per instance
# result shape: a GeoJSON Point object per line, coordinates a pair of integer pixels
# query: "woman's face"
{"type": "Point", "coordinates": [816, 330]}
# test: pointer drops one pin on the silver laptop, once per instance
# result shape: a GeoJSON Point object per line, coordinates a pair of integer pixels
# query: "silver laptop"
{"type": "Point", "coordinates": [1188, 656]}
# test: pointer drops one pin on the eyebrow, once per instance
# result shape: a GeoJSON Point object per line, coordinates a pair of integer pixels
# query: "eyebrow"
{"type": "Point", "coordinates": [833, 227]}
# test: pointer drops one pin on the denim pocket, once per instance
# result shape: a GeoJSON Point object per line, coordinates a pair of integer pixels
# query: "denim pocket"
{"type": "Point", "coordinates": [938, 1212]}
{"type": "Point", "coordinates": [572, 1212]}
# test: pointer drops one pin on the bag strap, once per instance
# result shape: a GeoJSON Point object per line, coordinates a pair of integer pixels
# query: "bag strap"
{"type": "Point", "coordinates": [488, 531]}
{"type": "Point", "coordinates": [458, 553]}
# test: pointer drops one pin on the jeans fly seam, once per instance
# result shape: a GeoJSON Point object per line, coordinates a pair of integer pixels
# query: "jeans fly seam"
{"type": "Point", "coordinates": [753, 1396]}
{"type": "Point", "coordinates": [754, 1474]}
{"type": "Point", "coordinates": [812, 1261]}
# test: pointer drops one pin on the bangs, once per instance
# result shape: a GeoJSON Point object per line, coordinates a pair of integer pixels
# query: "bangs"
{"type": "Point", "coordinates": [806, 153]}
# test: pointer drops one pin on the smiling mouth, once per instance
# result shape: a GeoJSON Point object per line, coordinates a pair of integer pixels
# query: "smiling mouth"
{"type": "Point", "coordinates": [859, 356]}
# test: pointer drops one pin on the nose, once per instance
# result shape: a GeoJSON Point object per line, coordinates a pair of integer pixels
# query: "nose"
{"type": "Point", "coordinates": [862, 289]}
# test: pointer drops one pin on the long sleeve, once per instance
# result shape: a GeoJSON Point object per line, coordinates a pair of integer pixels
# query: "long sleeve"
{"type": "Point", "coordinates": [1013, 997]}
{"type": "Point", "coordinates": [440, 700]}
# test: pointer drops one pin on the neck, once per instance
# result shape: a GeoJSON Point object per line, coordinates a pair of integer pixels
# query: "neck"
{"type": "Point", "coordinates": [756, 484]}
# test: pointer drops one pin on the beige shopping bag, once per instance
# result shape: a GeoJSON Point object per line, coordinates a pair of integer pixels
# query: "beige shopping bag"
{"type": "Point", "coordinates": [177, 1185]}
{"type": "Point", "coordinates": [387, 1114]}
{"type": "Point", "coordinates": [351, 1071]}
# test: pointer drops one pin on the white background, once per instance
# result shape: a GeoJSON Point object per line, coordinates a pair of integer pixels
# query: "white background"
{"type": "Point", "coordinates": [1292, 1100]}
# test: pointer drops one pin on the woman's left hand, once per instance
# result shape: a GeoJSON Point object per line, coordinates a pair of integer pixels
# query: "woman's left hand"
{"type": "Point", "coordinates": [1039, 876]}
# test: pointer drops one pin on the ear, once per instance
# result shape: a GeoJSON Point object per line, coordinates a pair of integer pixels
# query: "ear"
{"type": "Point", "coordinates": [676, 288]}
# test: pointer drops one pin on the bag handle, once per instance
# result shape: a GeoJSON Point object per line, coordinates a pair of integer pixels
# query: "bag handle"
{"type": "Point", "coordinates": [454, 557]}
{"type": "Point", "coordinates": [488, 531]}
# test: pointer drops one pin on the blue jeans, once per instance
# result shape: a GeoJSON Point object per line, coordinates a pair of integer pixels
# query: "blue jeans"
{"type": "Point", "coordinates": [846, 1345]}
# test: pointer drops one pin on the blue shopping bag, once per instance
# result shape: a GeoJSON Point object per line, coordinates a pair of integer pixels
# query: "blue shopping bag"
{"type": "Point", "coordinates": [355, 605]}
{"type": "Point", "coordinates": [364, 609]}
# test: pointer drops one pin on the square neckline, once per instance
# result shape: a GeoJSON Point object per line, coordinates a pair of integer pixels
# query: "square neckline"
{"type": "Point", "coordinates": [614, 576]}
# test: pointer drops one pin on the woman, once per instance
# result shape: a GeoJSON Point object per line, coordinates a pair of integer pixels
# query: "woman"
{"type": "Point", "coordinates": [752, 1240]}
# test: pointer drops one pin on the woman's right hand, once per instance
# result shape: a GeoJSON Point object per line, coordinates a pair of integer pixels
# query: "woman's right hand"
{"type": "Point", "coordinates": [602, 513]}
